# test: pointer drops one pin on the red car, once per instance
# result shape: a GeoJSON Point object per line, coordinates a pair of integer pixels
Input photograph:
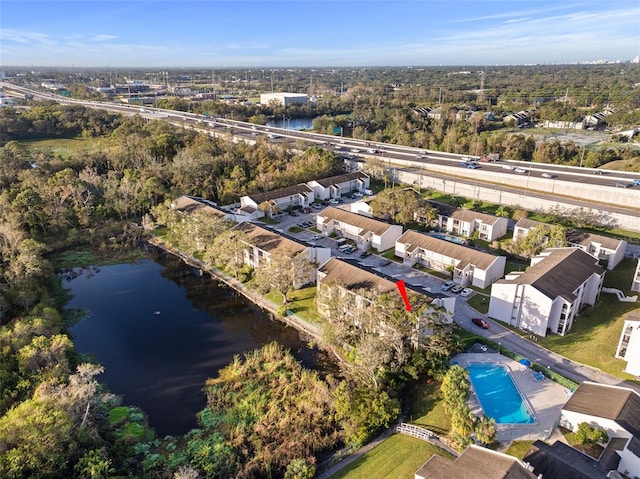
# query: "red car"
{"type": "Point", "coordinates": [480, 322]}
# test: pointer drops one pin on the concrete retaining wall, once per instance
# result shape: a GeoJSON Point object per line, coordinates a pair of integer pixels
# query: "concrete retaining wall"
{"type": "Point", "coordinates": [464, 185]}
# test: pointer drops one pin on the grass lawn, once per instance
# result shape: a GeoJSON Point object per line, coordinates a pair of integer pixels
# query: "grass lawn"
{"type": "Point", "coordinates": [479, 302]}
{"type": "Point", "coordinates": [303, 303]}
{"type": "Point", "coordinates": [397, 457]}
{"type": "Point", "coordinates": [518, 448]}
{"type": "Point", "coordinates": [595, 333]}
{"type": "Point", "coordinates": [425, 407]}
{"type": "Point", "coordinates": [66, 146]}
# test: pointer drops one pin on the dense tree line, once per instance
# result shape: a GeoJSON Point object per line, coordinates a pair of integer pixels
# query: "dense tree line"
{"type": "Point", "coordinates": [55, 418]}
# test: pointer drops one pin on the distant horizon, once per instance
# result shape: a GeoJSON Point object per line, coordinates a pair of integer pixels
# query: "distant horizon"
{"type": "Point", "coordinates": [313, 33]}
{"type": "Point", "coordinates": [633, 61]}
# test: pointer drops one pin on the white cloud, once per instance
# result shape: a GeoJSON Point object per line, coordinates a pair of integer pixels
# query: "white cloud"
{"type": "Point", "coordinates": [103, 38]}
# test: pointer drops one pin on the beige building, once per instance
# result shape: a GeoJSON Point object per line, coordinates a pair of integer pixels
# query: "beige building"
{"type": "Point", "coordinates": [470, 266]}
{"type": "Point", "coordinates": [465, 222]}
{"type": "Point", "coordinates": [262, 243]}
{"type": "Point", "coordinates": [365, 232]}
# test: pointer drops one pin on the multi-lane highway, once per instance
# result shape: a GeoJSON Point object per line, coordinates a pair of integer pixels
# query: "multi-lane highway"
{"type": "Point", "coordinates": [398, 155]}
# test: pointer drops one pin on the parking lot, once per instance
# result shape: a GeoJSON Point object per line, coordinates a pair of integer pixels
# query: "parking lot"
{"type": "Point", "coordinates": [418, 281]}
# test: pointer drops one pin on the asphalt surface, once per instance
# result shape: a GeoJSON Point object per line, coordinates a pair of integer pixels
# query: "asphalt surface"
{"type": "Point", "coordinates": [427, 284]}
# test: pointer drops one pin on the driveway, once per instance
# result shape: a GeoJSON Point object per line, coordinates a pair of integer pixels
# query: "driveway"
{"type": "Point", "coordinates": [425, 283]}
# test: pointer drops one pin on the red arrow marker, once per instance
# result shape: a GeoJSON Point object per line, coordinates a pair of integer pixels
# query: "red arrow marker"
{"type": "Point", "coordinates": [403, 293]}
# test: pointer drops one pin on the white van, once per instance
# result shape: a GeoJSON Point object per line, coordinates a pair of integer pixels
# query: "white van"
{"type": "Point", "coordinates": [368, 192]}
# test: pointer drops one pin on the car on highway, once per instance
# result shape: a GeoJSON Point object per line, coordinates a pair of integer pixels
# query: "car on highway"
{"type": "Point", "coordinates": [548, 175]}
{"type": "Point", "coordinates": [466, 292]}
{"type": "Point", "coordinates": [520, 170]}
{"type": "Point", "coordinates": [508, 167]}
{"type": "Point", "coordinates": [623, 185]}
{"type": "Point", "coordinates": [447, 286]}
{"type": "Point", "coordinates": [480, 322]}
{"type": "Point", "coordinates": [456, 289]}
{"type": "Point", "coordinates": [384, 262]}
{"type": "Point", "coordinates": [636, 182]}
{"type": "Point", "coordinates": [464, 164]}
{"type": "Point", "coordinates": [472, 166]}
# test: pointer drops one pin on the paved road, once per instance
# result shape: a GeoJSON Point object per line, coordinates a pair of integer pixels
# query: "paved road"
{"type": "Point", "coordinates": [420, 281]}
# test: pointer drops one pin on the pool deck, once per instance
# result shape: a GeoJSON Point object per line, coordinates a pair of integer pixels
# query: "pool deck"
{"type": "Point", "coordinates": [544, 397]}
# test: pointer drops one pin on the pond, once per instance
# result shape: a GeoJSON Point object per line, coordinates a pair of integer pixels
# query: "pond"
{"type": "Point", "coordinates": [292, 123]}
{"type": "Point", "coordinates": [161, 329]}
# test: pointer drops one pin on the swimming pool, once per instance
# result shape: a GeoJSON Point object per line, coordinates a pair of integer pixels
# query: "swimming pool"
{"type": "Point", "coordinates": [498, 395]}
{"type": "Point", "coordinates": [451, 239]}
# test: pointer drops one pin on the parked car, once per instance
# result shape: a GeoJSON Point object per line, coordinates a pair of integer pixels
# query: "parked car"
{"type": "Point", "coordinates": [357, 194]}
{"type": "Point", "coordinates": [447, 286]}
{"type": "Point", "coordinates": [333, 201]}
{"type": "Point", "coordinates": [384, 262]}
{"type": "Point", "coordinates": [316, 237]}
{"type": "Point", "coordinates": [466, 292]}
{"type": "Point", "coordinates": [365, 254]}
{"type": "Point", "coordinates": [456, 289]}
{"type": "Point", "coordinates": [480, 322]}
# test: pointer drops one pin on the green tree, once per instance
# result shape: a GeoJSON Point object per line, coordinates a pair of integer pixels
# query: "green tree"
{"type": "Point", "coordinates": [485, 429]}
{"type": "Point", "coordinates": [300, 469]}
{"type": "Point", "coordinates": [228, 250]}
{"type": "Point", "coordinates": [94, 464]}
{"type": "Point", "coordinates": [588, 434]}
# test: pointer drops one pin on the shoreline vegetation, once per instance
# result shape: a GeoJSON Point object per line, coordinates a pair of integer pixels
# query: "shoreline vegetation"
{"type": "Point", "coordinates": [266, 417]}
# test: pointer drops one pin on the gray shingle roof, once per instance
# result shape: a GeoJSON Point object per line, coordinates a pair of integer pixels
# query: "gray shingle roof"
{"type": "Point", "coordinates": [364, 223]}
{"type": "Point", "coordinates": [479, 259]}
{"type": "Point", "coordinates": [267, 240]}
{"type": "Point", "coordinates": [560, 273]}
{"type": "Point", "coordinates": [561, 461]}
{"type": "Point", "coordinates": [529, 224]}
{"type": "Point", "coordinates": [466, 215]}
{"type": "Point", "coordinates": [621, 405]}
{"type": "Point", "coordinates": [354, 278]}
{"type": "Point", "coordinates": [336, 180]}
{"type": "Point", "coordinates": [190, 204]}
{"type": "Point", "coordinates": [584, 239]}
{"type": "Point", "coordinates": [475, 463]}
{"type": "Point", "coordinates": [301, 189]}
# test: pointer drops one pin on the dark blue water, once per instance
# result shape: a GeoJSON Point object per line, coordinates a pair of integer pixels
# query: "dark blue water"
{"type": "Point", "coordinates": [161, 329]}
{"type": "Point", "coordinates": [292, 124]}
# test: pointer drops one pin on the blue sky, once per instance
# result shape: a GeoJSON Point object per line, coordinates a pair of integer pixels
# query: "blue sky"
{"type": "Point", "coordinates": [243, 33]}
